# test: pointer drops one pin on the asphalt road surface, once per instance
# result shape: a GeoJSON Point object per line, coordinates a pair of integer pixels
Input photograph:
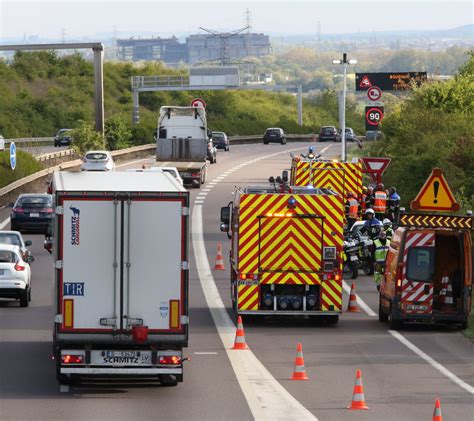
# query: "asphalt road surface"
{"type": "Point", "coordinates": [403, 373]}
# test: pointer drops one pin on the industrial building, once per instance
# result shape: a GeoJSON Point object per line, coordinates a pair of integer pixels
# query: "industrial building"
{"type": "Point", "coordinates": [196, 49]}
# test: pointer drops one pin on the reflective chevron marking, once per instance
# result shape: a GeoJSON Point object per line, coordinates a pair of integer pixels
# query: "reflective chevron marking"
{"type": "Point", "coordinates": [436, 221]}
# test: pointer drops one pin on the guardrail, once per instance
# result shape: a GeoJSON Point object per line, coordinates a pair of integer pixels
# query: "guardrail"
{"type": "Point", "coordinates": [23, 141]}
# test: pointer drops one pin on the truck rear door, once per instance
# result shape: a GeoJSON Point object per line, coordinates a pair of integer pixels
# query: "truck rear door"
{"type": "Point", "coordinates": [418, 272]}
{"type": "Point", "coordinates": [123, 262]}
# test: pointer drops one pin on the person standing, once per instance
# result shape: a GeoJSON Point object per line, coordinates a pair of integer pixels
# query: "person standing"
{"type": "Point", "coordinates": [352, 209]}
{"type": "Point", "coordinates": [393, 204]}
{"type": "Point", "coordinates": [387, 227]}
{"type": "Point", "coordinates": [381, 245]}
{"type": "Point", "coordinates": [380, 202]}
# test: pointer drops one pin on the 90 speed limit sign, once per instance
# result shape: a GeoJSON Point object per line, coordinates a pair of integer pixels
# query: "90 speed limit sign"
{"type": "Point", "coordinates": [373, 116]}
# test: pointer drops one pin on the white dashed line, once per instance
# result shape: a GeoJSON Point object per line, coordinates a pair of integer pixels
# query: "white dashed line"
{"type": "Point", "coordinates": [4, 223]}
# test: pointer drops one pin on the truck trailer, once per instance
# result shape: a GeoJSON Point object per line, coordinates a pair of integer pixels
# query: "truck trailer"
{"type": "Point", "coordinates": [120, 249]}
{"type": "Point", "coordinates": [182, 141]}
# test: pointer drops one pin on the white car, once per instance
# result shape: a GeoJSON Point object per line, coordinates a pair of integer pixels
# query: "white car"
{"type": "Point", "coordinates": [98, 161]}
{"type": "Point", "coordinates": [16, 239]}
{"type": "Point", "coordinates": [170, 170]}
{"type": "Point", "coordinates": [15, 274]}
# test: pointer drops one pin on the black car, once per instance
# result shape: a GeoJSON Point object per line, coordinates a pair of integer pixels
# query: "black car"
{"type": "Point", "coordinates": [63, 137]}
{"type": "Point", "coordinates": [32, 213]}
{"type": "Point", "coordinates": [274, 134]}
{"type": "Point", "coordinates": [220, 140]}
{"type": "Point", "coordinates": [328, 133]}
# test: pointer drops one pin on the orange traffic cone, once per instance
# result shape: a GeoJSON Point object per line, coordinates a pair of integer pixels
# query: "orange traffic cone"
{"type": "Point", "coordinates": [219, 259]}
{"type": "Point", "coordinates": [353, 307]}
{"type": "Point", "coordinates": [299, 372]}
{"type": "Point", "coordinates": [437, 416]}
{"type": "Point", "coordinates": [239, 342]}
{"type": "Point", "coordinates": [358, 398]}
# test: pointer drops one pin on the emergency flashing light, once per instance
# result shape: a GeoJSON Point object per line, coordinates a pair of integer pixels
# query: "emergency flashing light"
{"type": "Point", "coordinates": [243, 276]}
{"type": "Point", "coordinates": [291, 203]}
{"type": "Point", "coordinates": [310, 153]}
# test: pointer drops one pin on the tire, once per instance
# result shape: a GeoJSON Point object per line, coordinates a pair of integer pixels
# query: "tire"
{"type": "Point", "coordinates": [29, 294]}
{"type": "Point", "coordinates": [368, 269]}
{"type": "Point", "coordinates": [24, 299]}
{"type": "Point", "coordinates": [227, 148]}
{"type": "Point", "coordinates": [463, 325]}
{"type": "Point", "coordinates": [395, 324]}
{"type": "Point", "coordinates": [331, 320]}
{"type": "Point", "coordinates": [383, 317]}
{"type": "Point", "coordinates": [168, 380]}
{"type": "Point", "coordinates": [354, 270]}
{"type": "Point", "coordinates": [265, 142]}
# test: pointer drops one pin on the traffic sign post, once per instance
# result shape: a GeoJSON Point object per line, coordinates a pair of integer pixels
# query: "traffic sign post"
{"type": "Point", "coordinates": [373, 116]}
{"type": "Point", "coordinates": [198, 102]}
{"type": "Point", "coordinates": [435, 195]}
{"type": "Point", "coordinates": [374, 93]}
{"type": "Point", "coordinates": [12, 155]}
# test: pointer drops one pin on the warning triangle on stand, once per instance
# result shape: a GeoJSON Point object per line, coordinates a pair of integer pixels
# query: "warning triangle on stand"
{"type": "Point", "coordinates": [435, 195]}
{"type": "Point", "coordinates": [365, 82]}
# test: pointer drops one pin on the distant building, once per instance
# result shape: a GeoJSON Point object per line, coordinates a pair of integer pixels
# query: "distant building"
{"type": "Point", "coordinates": [210, 47]}
{"type": "Point", "coordinates": [169, 50]}
{"type": "Point", "coordinates": [198, 48]}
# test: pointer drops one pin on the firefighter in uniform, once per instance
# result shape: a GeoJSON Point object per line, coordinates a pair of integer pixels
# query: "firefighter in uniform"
{"type": "Point", "coordinates": [380, 202]}
{"type": "Point", "coordinates": [393, 204]}
{"type": "Point", "coordinates": [363, 206]}
{"type": "Point", "coordinates": [380, 252]}
{"type": "Point", "coordinates": [369, 198]}
{"type": "Point", "coordinates": [352, 209]}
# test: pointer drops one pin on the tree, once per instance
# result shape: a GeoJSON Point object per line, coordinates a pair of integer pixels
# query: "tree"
{"type": "Point", "coordinates": [85, 138]}
{"type": "Point", "coordinates": [117, 133]}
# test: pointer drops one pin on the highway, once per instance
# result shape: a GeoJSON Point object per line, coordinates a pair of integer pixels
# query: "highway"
{"type": "Point", "coordinates": [403, 372]}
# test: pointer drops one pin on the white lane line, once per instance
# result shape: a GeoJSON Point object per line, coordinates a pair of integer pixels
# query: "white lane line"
{"type": "Point", "coordinates": [411, 346]}
{"type": "Point", "coordinates": [133, 162]}
{"type": "Point", "coordinates": [206, 190]}
{"type": "Point", "coordinates": [4, 223]}
{"type": "Point", "coordinates": [205, 353]}
{"type": "Point", "coordinates": [202, 195]}
{"type": "Point", "coordinates": [441, 368]}
{"type": "Point", "coordinates": [324, 149]}
{"type": "Point", "coordinates": [267, 399]}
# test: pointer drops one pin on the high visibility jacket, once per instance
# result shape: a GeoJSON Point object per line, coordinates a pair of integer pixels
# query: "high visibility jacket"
{"type": "Point", "coordinates": [389, 232]}
{"type": "Point", "coordinates": [363, 206]}
{"type": "Point", "coordinates": [380, 250]}
{"type": "Point", "coordinates": [353, 208]}
{"type": "Point", "coordinates": [380, 202]}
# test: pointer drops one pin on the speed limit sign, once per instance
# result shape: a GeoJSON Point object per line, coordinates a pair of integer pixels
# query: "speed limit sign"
{"type": "Point", "coordinates": [373, 116]}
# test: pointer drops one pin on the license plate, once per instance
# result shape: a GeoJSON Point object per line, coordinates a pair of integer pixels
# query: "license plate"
{"type": "Point", "coordinates": [354, 258]}
{"type": "Point", "coordinates": [121, 357]}
{"type": "Point", "coordinates": [415, 307]}
{"type": "Point", "coordinates": [34, 215]}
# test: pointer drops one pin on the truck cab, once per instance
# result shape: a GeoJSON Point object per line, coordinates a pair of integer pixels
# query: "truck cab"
{"type": "Point", "coordinates": [428, 274]}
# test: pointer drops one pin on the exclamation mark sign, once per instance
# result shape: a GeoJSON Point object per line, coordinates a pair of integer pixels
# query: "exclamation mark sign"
{"type": "Point", "coordinates": [436, 188]}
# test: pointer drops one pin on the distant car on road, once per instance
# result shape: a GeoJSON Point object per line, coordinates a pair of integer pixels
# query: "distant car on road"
{"type": "Point", "coordinates": [16, 239]}
{"type": "Point", "coordinates": [274, 134]}
{"type": "Point", "coordinates": [328, 133]}
{"type": "Point", "coordinates": [98, 161]}
{"type": "Point", "coordinates": [32, 213]}
{"type": "Point", "coordinates": [220, 140]}
{"type": "Point", "coordinates": [15, 274]}
{"type": "Point", "coordinates": [350, 135]}
{"type": "Point", "coordinates": [63, 137]}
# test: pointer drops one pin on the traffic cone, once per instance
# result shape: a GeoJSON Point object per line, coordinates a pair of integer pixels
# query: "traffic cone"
{"type": "Point", "coordinates": [358, 398]}
{"type": "Point", "coordinates": [353, 307]}
{"type": "Point", "coordinates": [299, 372]}
{"type": "Point", "coordinates": [437, 416]}
{"type": "Point", "coordinates": [239, 342]}
{"type": "Point", "coordinates": [219, 259]}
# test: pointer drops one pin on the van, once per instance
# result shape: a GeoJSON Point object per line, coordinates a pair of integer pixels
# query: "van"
{"type": "Point", "coordinates": [428, 275]}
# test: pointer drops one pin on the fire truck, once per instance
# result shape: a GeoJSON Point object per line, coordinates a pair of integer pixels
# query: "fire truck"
{"type": "Point", "coordinates": [286, 251]}
{"type": "Point", "coordinates": [341, 177]}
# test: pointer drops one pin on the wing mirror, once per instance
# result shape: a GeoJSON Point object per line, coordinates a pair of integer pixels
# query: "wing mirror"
{"type": "Point", "coordinates": [225, 215]}
{"type": "Point", "coordinates": [284, 176]}
{"type": "Point", "coordinates": [28, 243]}
{"type": "Point", "coordinates": [29, 259]}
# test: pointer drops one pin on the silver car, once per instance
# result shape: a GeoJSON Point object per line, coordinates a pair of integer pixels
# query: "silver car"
{"type": "Point", "coordinates": [16, 239]}
{"type": "Point", "coordinates": [98, 161]}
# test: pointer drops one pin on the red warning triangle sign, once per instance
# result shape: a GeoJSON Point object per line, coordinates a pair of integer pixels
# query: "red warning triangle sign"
{"type": "Point", "coordinates": [365, 82]}
{"type": "Point", "coordinates": [435, 195]}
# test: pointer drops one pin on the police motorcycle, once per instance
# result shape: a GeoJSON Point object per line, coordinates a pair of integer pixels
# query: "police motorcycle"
{"type": "Point", "coordinates": [366, 263]}
{"type": "Point", "coordinates": [351, 257]}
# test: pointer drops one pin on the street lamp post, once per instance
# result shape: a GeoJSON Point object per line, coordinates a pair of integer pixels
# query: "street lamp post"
{"type": "Point", "coordinates": [344, 62]}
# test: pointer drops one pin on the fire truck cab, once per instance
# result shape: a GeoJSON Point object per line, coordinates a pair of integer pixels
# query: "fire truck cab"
{"type": "Point", "coordinates": [286, 251]}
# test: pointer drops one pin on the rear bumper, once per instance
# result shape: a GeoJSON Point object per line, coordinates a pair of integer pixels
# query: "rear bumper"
{"type": "Point", "coordinates": [433, 318]}
{"type": "Point", "coordinates": [120, 371]}
{"type": "Point", "coordinates": [36, 225]}
{"type": "Point", "coordinates": [11, 292]}
{"type": "Point", "coordinates": [289, 313]}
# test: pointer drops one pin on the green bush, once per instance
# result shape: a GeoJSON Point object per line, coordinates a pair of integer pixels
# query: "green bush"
{"type": "Point", "coordinates": [85, 138]}
{"type": "Point", "coordinates": [26, 164]}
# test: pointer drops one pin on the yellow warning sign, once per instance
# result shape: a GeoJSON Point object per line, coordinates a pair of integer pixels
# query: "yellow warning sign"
{"type": "Point", "coordinates": [435, 195]}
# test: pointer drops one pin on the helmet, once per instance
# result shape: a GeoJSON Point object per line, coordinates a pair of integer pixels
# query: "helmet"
{"type": "Point", "coordinates": [364, 188]}
{"type": "Point", "coordinates": [387, 221]}
{"type": "Point", "coordinates": [350, 194]}
{"type": "Point", "coordinates": [380, 186]}
{"type": "Point", "coordinates": [370, 189]}
{"type": "Point", "coordinates": [370, 210]}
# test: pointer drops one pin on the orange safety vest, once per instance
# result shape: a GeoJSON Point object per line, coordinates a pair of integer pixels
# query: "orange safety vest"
{"type": "Point", "coordinates": [362, 204]}
{"type": "Point", "coordinates": [380, 202]}
{"type": "Point", "coordinates": [353, 208]}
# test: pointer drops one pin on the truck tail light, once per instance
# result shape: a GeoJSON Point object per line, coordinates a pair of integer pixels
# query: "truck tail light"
{"type": "Point", "coordinates": [72, 359]}
{"type": "Point", "coordinates": [399, 276]}
{"type": "Point", "coordinates": [170, 359]}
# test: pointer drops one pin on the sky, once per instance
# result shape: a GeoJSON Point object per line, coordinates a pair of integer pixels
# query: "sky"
{"type": "Point", "coordinates": [73, 19]}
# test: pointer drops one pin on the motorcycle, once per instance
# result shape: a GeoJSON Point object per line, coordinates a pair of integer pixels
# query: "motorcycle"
{"type": "Point", "coordinates": [351, 258]}
{"type": "Point", "coordinates": [365, 255]}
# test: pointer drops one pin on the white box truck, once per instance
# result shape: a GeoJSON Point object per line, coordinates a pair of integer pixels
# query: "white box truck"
{"type": "Point", "coordinates": [120, 246]}
{"type": "Point", "coordinates": [182, 141]}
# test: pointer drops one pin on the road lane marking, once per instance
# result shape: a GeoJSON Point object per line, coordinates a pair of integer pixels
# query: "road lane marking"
{"type": "Point", "coordinates": [205, 353]}
{"type": "Point", "coordinates": [266, 397]}
{"type": "Point", "coordinates": [4, 223]}
{"type": "Point", "coordinates": [412, 347]}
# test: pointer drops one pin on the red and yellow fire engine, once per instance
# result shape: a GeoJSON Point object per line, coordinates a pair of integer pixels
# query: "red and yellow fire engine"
{"type": "Point", "coordinates": [286, 251]}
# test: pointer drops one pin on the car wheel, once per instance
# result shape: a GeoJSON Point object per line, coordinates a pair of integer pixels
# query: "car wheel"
{"type": "Point", "coordinates": [265, 142]}
{"type": "Point", "coordinates": [29, 294]}
{"type": "Point", "coordinates": [227, 148]}
{"type": "Point", "coordinates": [24, 299]}
{"type": "Point", "coordinates": [395, 323]}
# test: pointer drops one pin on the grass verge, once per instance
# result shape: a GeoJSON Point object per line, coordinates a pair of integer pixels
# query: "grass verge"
{"type": "Point", "coordinates": [26, 164]}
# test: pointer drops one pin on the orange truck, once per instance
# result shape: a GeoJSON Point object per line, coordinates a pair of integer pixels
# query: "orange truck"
{"type": "Point", "coordinates": [341, 177]}
{"type": "Point", "coordinates": [286, 251]}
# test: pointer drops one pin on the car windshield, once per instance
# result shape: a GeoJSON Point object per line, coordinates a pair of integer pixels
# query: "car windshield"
{"type": "Point", "coordinates": [327, 129]}
{"type": "Point", "coordinates": [64, 133]}
{"type": "Point", "coordinates": [7, 257]}
{"type": "Point", "coordinates": [96, 156]}
{"type": "Point", "coordinates": [35, 202]}
{"type": "Point", "coordinates": [274, 132]}
{"type": "Point", "coordinates": [6, 238]}
{"type": "Point", "coordinates": [173, 173]}
{"type": "Point", "coordinates": [217, 136]}
{"type": "Point", "coordinates": [420, 266]}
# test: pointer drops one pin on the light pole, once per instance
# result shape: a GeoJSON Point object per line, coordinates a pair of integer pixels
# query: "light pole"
{"type": "Point", "coordinates": [344, 62]}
